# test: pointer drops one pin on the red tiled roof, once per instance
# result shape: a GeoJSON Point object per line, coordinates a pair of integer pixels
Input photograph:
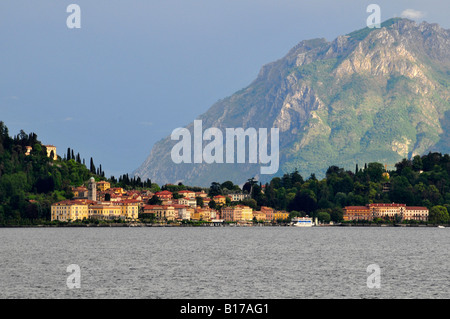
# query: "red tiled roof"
{"type": "Point", "coordinates": [356, 207]}
{"type": "Point", "coordinates": [387, 205]}
{"type": "Point", "coordinates": [163, 193]}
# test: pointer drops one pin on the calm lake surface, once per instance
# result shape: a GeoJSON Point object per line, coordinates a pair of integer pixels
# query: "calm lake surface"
{"type": "Point", "coordinates": [225, 262]}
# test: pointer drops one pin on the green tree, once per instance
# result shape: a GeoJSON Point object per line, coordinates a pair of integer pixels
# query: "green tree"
{"type": "Point", "coordinates": [200, 202]}
{"type": "Point", "coordinates": [154, 200]}
{"type": "Point", "coordinates": [438, 215]}
{"type": "Point", "coordinates": [324, 217]}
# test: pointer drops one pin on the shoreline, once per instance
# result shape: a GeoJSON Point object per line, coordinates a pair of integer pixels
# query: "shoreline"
{"type": "Point", "coordinates": [143, 225]}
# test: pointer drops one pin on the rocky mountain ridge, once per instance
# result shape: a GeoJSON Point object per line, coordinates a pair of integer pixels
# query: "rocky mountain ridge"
{"type": "Point", "coordinates": [371, 95]}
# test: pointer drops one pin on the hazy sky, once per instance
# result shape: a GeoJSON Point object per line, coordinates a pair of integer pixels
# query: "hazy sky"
{"type": "Point", "coordinates": [137, 69]}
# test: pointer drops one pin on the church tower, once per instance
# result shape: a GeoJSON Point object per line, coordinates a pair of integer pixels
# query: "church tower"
{"type": "Point", "coordinates": [92, 189]}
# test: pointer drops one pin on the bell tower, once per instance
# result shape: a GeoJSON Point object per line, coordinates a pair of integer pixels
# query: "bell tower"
{"type": "Point", "coordinates": [92, 189]}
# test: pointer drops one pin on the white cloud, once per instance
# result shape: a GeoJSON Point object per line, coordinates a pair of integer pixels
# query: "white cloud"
{"type": "Point", "coordinates": [412, 14]}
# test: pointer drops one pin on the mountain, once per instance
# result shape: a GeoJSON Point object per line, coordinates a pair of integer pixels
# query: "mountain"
{"type": "Point", "coordinates": [373, 95]}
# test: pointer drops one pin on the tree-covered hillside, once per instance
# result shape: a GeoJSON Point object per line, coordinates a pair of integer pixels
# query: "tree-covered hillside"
{"type": "Point", "coordinates": [30, 184]}
{"type": "Point", "coordinates": [422, 181]}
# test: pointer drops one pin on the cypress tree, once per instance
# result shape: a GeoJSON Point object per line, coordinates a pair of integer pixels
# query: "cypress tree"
{"type": "Point", "coordinates": [92, 168]}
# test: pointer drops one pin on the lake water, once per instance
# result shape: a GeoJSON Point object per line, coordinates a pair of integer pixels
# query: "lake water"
{"type": "Point", "coordinates": [225, 262]}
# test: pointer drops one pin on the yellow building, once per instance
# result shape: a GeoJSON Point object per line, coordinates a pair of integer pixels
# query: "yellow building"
{"type": "Point", "coordinates": [280, 215]}
{"type": "Point", "coordinates": [247, 213]}
{"type": "Point", "coordinates": [101, 211]}
{"type": "Point", "coordinates": [162, 212]}
{"type": "Point", "coordinates": [70, 210]}
{"type": "Point", "coordinates": [259, 215]}
{"type": "Point", "coordinates": [237, 213]}
{"type": "Point", "coordinates": [357, 213]}
{"type": "Point", "coordinates": [416, 213]}
{"type": "Point", "coordinates": [187, 194]}
{"type": "Point", "coordinates": [50, 149]}
{"type": "Point", "coordinates": [383, 210]}
{"type": "Point", "coordinates": [205, 214]}
{"type": "Point", "coordinates": [80, 192]}
{"type": "Point", "coordinates": [130, 209]}
{"type": "Point", "coordinates": [219, 199]}
{"type": "Point", "coordinates": [29, 149]}
{"type": "Point", "coordinates": [118, 190]}
{"type": "Point", "coordinates": [103, 186]}
{"type": "Point", "coordinates": [231, 213]}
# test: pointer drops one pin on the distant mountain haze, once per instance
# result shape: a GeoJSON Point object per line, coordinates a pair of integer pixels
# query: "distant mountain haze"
{"type": "Point", "coordinates": [373, 95]}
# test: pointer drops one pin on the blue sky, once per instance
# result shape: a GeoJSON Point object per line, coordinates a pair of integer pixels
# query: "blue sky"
{"type": "Point", "coordinates": [137, 69]}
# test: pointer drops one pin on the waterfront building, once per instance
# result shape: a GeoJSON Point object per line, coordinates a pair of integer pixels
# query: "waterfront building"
{"type": "Point", "coordinates": [268, 211]}
{"type": "Point", "coordinates": [357, 213]}
{"type": "Point", "coordinates": [383, 210]}
{"type": "Point", "coordinates": [70, 210]}
{"type": "Point", "coordinates": [281, 215]}
{"type": "Point", "coordinates": [391, 211]}
{"type": "Point", "coordinates": [105, 211]}
{"type": "Point", "coordinates": [129, 208]}
{"type": "Point", "coordinates": [237, 213]}
{"type": "Point", "coordinates": [231, 213]}
{"type": "Point", "coordinates": [247, 213]}
{"type": "Point", "coordinates": [416, 213]}
{"type": "Point", "coordinates": [202, 214]}
{"type": "Point", "coordinates": [162, 212]}
{"type": "Point", "coordinates": [259, 215]}
{"type": "Point", "coordinates": [183, 212]}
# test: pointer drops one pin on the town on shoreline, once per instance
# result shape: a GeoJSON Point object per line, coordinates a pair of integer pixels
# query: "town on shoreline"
{"type": "Point", "coordinates": [97, 204]}
{"type": "Point", "coordinates": [40, 187]}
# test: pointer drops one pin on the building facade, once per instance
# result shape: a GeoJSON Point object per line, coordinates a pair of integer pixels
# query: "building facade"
{"type": "Point", "coordinates": [392, 211]}
{"type": "Point", "coordinates": [416, 213]}
{"type": "Point", "coordinates": [103, 186]}
{"type": "Point", "coordinates": [105, 212]}
{"type": "Point", "coordinates": [357, 213]}
{"type": "Point", "coordinates": [70, 210]}
{"type": "Point", "coordinates": [162, 212]}
{"type": "Point", "coordinates": [236, 197]}
{"type": "Point", "coordinates": [268, 212]}
{"type": "Point", "coordinates": [281, 215]}
{"type": "Point", "coordinates": [50, 149]}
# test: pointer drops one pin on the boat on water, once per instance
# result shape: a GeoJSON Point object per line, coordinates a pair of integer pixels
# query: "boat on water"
{"type": "Point", "coordinates": [440, 226]}
{"type": "Point", "coordinates": [302, 222]}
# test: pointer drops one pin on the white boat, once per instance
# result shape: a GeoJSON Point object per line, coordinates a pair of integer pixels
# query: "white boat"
{"type": "Point", "coordinates": [440, 226]}
{"type": "Point", "coordinates": [302, 222]}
